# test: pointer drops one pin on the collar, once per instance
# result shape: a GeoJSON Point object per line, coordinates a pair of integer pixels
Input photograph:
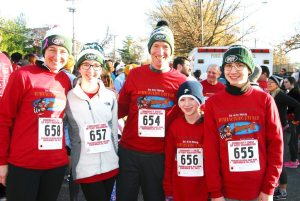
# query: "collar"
{"type": "Point", "coordinates": [162, 70]}
{"type": "Point", "coordinates": [236, 90]}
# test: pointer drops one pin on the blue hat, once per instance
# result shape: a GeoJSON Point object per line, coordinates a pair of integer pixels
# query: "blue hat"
{"type": "Point", "coordinates": [191, 89]}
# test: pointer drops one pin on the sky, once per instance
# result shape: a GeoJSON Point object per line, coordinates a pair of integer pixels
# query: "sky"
{"type": "Point", "coordinates": [275, 20]}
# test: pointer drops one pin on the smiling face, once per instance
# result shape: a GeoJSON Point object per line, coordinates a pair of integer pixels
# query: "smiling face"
{"type": "Point", "coordinates": [271, 85]}
{"type": "Point", "coordinates": [56, 57]}
{"type": "Point", "coordinates": [236, 74]}
{"type": "Point", "coordinates": [90, 70]}
{"type": "Point", "coordinates": [213, 73]}
{"type": "Point", "coordinates": [160, 54]}
{"type": "Point", "coordinates": [189, 106]}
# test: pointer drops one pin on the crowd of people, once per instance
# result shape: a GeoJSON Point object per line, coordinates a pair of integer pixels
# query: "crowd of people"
{"type": "Point", "coordinates": [155, 129]}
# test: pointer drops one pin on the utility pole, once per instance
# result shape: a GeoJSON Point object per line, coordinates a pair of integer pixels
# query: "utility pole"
{"type": "Point", "coordinates": [114, 53]}
{"type": "Point", "coordinates": [72, 10]}
{"type": "Point", "coordinates": [201, 20]}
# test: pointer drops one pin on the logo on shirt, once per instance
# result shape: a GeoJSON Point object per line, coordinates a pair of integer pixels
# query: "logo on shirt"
{"type": "Point", "coordinates": [48, 104]}
{"type": "Point", "coordinates": [144, 102]}
{"type": "Point", "coordinates": [238, 128]}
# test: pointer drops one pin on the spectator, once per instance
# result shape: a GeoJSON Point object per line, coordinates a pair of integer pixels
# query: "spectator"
{"type": "Point", "coordinates": [16, 60]}
{"type": "Point", "coordinates": [263, 78]}
{"type": "Point", "coordinates": [283, 101]}
{"type": "Point", "coordinates": [110, 68]}
{"type": "Point", "coordinates": [183, 65]}
{"type": "Point", "coordinates": [283, 72]}
{"type": "Point", "coordinates": [197, 74]}
{"type": "Point", "coordinates": [292, 90]}
{"type": "Point", "coordinates": [211, 85]}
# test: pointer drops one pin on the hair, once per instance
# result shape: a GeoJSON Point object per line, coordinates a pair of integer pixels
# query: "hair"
{"type": "Point", "coordinates": [214, 65]}
{"type": "Point", "coordinates": [293, 81]}
{"type": "Point", "coordinates": [265, 69]}
{"type": "Point", "coordinates": [16, 57]}
{"type": "Point", "coordinates": [31, 58]}
{"type": "Point", "coordinates": [284, 69]}
{"type": "Point", "coordinates": [197, 73]}
{"type": "Point", "coordinates": [179, 60]}
{"type": "Point", "coordinates": [162, 23]}
{"type": "Point", "coordinates": [106, 79]}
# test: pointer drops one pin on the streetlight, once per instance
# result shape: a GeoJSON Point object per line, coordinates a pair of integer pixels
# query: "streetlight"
{"type": "Point", "coordinates": [72, 10]}
{"type": "Point", "coordinates": [248, 15]}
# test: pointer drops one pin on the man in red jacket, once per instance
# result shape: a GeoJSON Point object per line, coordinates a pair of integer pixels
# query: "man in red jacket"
{"type": "Point", "coordinates": [242, 135]}
{"type": "Point", "coordinates": [148, 98]}
{"type": "Point", "coordinates": [211, 85]}
{"type": "Point", "coordinates": [33, 158]}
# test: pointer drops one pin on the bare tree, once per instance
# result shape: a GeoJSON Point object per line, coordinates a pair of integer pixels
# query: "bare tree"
{"type": "Point", "coordinates": [219, 19]}
{"type": "Point", "coordinates": [107, 39]}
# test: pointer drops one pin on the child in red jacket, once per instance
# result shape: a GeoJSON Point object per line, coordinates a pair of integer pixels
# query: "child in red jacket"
{"type": "Point", "coordinates": [184, 174]}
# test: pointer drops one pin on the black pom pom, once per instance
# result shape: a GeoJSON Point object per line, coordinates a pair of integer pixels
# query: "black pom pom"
{"type": "Point", "coordinates": [162, 23]}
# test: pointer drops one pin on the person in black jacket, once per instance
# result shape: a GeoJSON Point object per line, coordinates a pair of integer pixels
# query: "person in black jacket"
{"type": "Point", "coordinates": [292, 90]}
{"type": "Point", "coordinates": [283, 101]}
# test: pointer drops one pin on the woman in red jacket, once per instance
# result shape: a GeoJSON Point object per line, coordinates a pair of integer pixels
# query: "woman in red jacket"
{"type": "Point", "coordinates": [33, 158]}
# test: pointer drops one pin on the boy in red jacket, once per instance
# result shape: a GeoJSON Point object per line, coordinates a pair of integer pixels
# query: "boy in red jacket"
{"type": "Point", "coordinates": [184, 174]}
{"type": "Point", "coordinates": [242, 135]}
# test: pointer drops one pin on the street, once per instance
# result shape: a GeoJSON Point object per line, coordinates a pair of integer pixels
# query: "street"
{"type": "Point", "coordinates": [292, 189]}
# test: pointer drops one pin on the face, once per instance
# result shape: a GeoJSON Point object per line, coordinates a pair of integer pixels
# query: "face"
{"type": "Point", "coordinates": [110, 66]}
{"type": "Point", "coordinates": [236, 74]}
{"type": "Point", "coordinates": [160, 54]}
{"type": "Point", "coordinates": [287, 84]}
{"type": "Point", "coordinates": [282, 72]}
{"type": "Point", "coordinates": [263, 77]}
{"type": "Point", "coordinates": [271, 85]}
{"type": "Point", "coordinates": [213, 73]}
{"type": "Point", "coordinates": [90, 70]}
{"type": "Point", "coordinates": [189, 106]}
{"type": "Point", "coordinates": [186, 68]}
{"type": "Point", "coordinates": [56, 57]}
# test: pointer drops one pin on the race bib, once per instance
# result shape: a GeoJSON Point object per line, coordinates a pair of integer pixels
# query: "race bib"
{"type": "Point", "coordinates": [190, 162]}
{"type": "Point", "coordinates": [243, 156]}
{"type": "Point", "coordinates": [97, 138]}
{"type": "Point", "coordinates": [151, 123]}
{"type": "Point", "coordinates": [50, 133]}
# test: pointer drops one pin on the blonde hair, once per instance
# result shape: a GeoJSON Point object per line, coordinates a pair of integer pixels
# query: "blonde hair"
{"type": "Point", "coordinates": [129, 67]}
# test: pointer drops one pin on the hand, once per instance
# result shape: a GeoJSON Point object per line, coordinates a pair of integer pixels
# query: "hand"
{"type": "Point", "coordinates": [218, 199]}
{"type": "Point", "coordinates": [3, 174]}
{"type": "Point", "coordinates": [264, 197]}
{"type": "Point", "coordinates": [169, 198]}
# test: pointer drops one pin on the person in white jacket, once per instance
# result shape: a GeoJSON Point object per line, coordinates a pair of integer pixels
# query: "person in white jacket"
{"type": "Point", "coordinates": [92, 114]}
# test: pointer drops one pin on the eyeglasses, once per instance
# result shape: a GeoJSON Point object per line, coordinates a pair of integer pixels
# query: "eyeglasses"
{"type": "Point", "coordinates": [87, 66]}
{"type": "Point", "coordinates": [238, 67]}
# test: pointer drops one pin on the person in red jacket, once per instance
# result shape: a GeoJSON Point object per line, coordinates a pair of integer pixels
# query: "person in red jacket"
{"type": "Point", "coordinates": [184, 178]}
{"type": "Point", "coordinates": [211, 85]}
{"type": "Point", "coordinates": [33, 158]}
{"type": "Point", "coordinates": [243, 146]}
{"type": "Point", "coordinates": [148, 98]}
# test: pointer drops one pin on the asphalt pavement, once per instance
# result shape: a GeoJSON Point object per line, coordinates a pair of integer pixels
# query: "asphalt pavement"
{"type": "Point", "coordinates": [293, 188]}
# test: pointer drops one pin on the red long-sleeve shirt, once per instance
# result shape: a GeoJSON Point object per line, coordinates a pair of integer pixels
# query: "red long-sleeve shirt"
{"type": "Point", "coordinates": [188, 136]}
{"type": "Point", "coordinates": [250, 117]}
{"type": "Point", "coordinates": [146, 89]}
{"type": "Point", "coordinates": [32, 92]}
